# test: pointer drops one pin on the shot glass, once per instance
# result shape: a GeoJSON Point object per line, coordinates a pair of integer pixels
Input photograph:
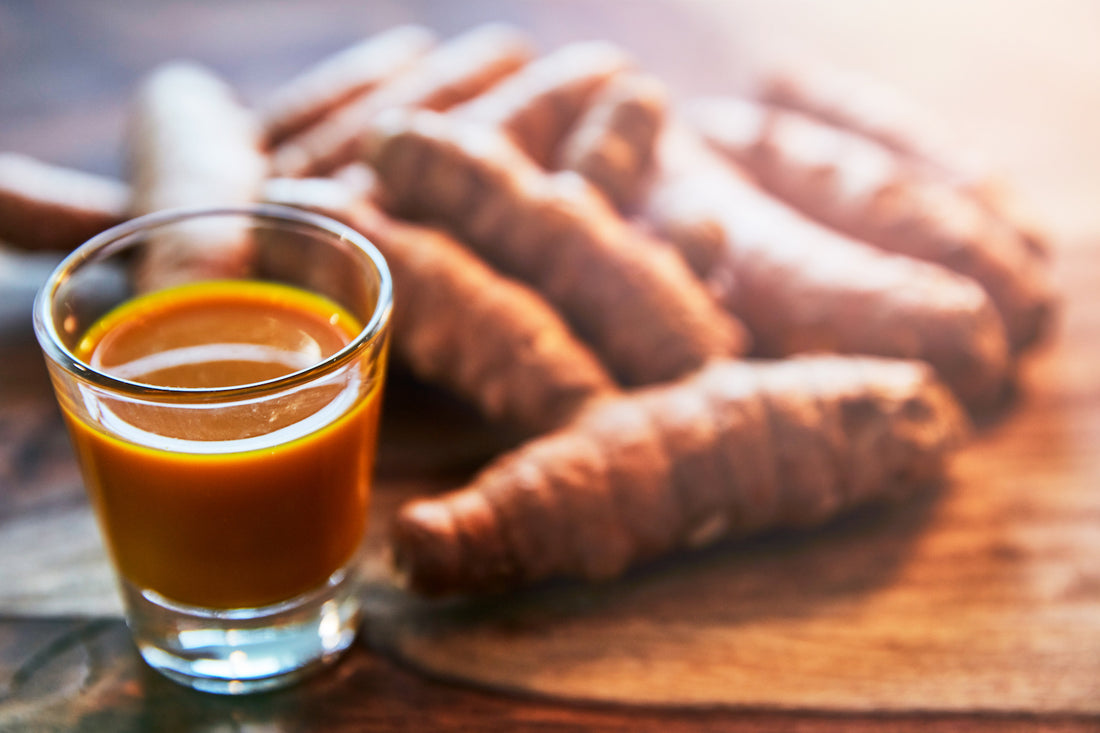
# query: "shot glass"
{"type": "Point", "coordinates": [220, 372]}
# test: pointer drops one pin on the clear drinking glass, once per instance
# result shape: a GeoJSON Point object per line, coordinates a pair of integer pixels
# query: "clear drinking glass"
{"type": "Point", "coordinates": [234, 513]}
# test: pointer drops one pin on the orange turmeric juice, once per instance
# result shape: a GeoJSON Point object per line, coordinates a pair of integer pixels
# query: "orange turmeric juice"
{"type": "Point", "coordinates": [238, 503]}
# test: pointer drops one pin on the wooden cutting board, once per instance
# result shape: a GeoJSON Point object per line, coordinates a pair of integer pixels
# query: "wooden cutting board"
{"type": "Point", "coordinates": [982, 594]}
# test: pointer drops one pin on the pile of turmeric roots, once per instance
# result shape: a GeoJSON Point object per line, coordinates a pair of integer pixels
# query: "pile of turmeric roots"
{"type": "Point", "coordinates": [709, 317]}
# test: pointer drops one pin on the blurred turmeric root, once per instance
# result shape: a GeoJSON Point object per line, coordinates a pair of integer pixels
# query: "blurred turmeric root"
{"type": "Point", "coordinates": [47, 207]}
{"type": "Point", "coordinates": [867, 191]}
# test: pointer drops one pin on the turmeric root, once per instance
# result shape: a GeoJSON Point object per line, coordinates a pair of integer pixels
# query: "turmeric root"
{"type": "Point", "coordinates": [634, 302]}
{"type": "Point", "coordinates": [863, 189]}
{"type": "Point", "coordinates": [537, 104]}
{"type": "Point", "coordinates": [47, 207]}
{"type": "Point", "coordinates": [852, 101]}
{"type": "Point", "coordinates": [734, 449]}
{"type": "Point", "coordinates": [460, 325]}
{"type": "Point", "coordinates": [192, 143]}
{"type": "Point", "coordinates": [339, 78]}
{"type": "Point", "coordinates": [612, 144]}
{"type": "Point", "coordinates": [801, 287]}
{"type": "Point", "coordinates": [856, 102]}
{"type": "Point", "coordinates": [450, 74]}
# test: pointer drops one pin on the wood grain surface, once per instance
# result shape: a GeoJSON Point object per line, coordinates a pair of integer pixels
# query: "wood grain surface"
{"type": "Point", "coordinates": [975, 607]}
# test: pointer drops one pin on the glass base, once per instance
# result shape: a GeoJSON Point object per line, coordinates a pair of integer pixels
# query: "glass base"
{"type": "Point", "coordinates": [240, 651]}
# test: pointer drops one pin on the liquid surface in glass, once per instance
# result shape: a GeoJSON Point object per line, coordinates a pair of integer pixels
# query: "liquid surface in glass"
{"type": "Point", "coordinates": [233, 504]}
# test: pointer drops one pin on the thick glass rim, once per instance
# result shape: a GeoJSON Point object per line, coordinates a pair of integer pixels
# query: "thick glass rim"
{"type": "Point", "coordinates": [56, 350]}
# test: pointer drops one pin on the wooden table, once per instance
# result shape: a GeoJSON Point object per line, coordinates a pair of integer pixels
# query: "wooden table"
{"type": "Point", "coordinates": [1021, 79]}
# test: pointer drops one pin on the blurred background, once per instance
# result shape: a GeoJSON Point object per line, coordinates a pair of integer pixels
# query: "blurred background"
{"type": "Point", "coordinates": [1019, 80]}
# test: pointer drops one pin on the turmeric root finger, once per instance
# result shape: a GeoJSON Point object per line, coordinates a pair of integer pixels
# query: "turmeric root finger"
{"type": "Point", "coordinates": [863, 189]}
{"type": "Point", "coordinates": [47, 207]}
{"type": "Point", "coordinates": [801, 287]}
{"type": "Point", "coordinates": [612, 144]}
{"type": "Point", "coordinates": [339, 78]}
{"type": "Point", "coordinates": [634, 302]}
{"type": "Point", "coordinates": [459, 324]}
{"type": "Point", "coordinates": [450, 74]}
{"type": "Point", "coordinates": [852, 101]}
{"type": "Point", "coordinates": [538, 104]}
{"type": "Point", "coordinates": [631, 479]}
{"type": "Point", "coordinates": [488, 338]}
{"type": "Point", "coordinates": [855, 102]}
{"type": "Point", "coordinates": [192, 143]}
